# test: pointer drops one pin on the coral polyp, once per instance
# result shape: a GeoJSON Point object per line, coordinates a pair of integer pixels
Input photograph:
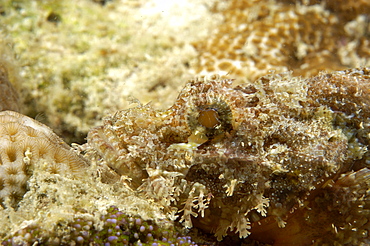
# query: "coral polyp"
{"type": "Point", "coordinates": [116, 228]}
{"type": "Point", "coordinates": [25, 145]}
{"type": "Point", "coordinates": [249, 159]}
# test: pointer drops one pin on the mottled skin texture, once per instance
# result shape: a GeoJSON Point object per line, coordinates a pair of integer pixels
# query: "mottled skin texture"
{"type": "Point", "coordinates": [267, 161]}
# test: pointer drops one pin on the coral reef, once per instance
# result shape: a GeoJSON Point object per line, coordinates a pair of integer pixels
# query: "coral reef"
{"type": "Point", "coordinates": [77, 67]}
{"type": "Point", "coordinates": [266, 162]}
{"type": "Point", "coordinates": [275, 160]}
{"type": "Point", "coordinates": [9, 99]}
{"type": "Point", "coordinates": [276, 153]}
{"type": "Point", "coordinates": [60, 208]}
{"type": "Point", "coordinates": [257, 36]}
{"type": "Point", "coordinates": [117, 228]}
{"type": "Point", "coordinates": [25, 142]}
{"type": "Point", "coordinates": [51, 195]}
{"type": "Point", "coordinates": [347, 11]}
{"type": "Point", "coordinates": [81, 60]}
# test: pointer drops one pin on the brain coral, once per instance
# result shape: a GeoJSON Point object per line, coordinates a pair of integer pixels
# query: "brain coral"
{"type": "Point", "coordinates": [266, 160]}
{"type": "Point", "coordinates": [257, 36]}
{"type": "Point", "coordinates": [24, 143]}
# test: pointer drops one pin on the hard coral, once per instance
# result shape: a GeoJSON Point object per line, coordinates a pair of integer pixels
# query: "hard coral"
{"type": "Point", "coordinates": [257, 36]}
{"type": "Point", "coordinates": [114, 228]}
{"type": "Point", "coordinates": [347, 10]}
{"type": "Point", "coordinates": [252, 159]}
{"type": "Point", "coordinates": [25, 142]}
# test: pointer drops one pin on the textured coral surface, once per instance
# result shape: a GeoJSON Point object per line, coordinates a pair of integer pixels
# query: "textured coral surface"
{"type": "Point", "coordinates": [257, 36]}
{"type": "Point", "coordinates": [25, 142]}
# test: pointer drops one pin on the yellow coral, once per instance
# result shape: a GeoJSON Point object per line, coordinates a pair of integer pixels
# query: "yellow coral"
{"type": "Point", "coordinates": [25, 142]}
{"type": "Point", "coordinates": [258, 36]}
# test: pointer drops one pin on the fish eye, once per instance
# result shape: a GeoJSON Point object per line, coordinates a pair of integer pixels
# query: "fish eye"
{"type": "Point", "coordinates": [209, 121]}
{"type": "Point", "coordinates": [209, 118]}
